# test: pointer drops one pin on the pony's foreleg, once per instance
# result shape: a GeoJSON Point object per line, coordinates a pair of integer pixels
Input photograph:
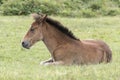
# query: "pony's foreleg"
{"type": "Point", "coordinates": [47, 61]}
{"type": "Point", "coordinates": [55, 63]}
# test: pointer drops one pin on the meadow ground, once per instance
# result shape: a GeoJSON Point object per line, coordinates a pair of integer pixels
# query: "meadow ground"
{"type": "Point", "coordinates": [17, 63]}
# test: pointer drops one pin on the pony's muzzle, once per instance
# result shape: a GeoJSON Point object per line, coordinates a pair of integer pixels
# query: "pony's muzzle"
{"type": "Point", "coordinates": [26, 44]}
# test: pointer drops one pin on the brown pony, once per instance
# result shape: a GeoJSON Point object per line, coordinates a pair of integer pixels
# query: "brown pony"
{"type": "Point", "coordinates": [64, 47]}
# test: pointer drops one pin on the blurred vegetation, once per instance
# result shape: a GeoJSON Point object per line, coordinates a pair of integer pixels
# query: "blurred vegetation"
{"type": "Point", "coordinates": [69, 8]}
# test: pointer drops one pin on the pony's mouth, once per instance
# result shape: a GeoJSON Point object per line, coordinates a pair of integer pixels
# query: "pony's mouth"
{"type": "Point", "coordinates": [27, 47]}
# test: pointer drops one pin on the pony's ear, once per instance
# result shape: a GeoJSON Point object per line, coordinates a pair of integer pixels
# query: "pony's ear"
{"type": "Point", "coordinates": [44, 18]}
{"type": "Point", "coordinates": [39, 17]}
{"type": "Point", "coordinates": [36, 16]}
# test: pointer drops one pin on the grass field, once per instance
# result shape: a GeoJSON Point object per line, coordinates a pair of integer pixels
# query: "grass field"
{"type": "Point", "coordinates": [17, 63]}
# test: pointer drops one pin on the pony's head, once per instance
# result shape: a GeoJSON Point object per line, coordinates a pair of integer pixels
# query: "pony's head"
{"type": "Point", "coordinates": [34, 34]}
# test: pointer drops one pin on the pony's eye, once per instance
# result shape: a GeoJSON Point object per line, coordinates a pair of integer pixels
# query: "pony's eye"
{"type": "Point", "coordinates": [32, 30]}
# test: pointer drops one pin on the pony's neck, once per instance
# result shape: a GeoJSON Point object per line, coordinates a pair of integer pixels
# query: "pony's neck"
{"type": "Point", "coordinates": [54, 38]}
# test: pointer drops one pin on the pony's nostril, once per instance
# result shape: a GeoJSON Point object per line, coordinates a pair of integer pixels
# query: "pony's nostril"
{"type": "Point", "coordinates": [23, 43]}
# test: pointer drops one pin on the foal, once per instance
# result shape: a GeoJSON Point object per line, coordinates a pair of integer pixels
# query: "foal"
{"type": "Point", "coordinates": [64, 47]}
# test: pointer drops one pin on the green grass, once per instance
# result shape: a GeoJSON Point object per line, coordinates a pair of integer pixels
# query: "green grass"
{"type": "Point", "coordinates": [17, 63]}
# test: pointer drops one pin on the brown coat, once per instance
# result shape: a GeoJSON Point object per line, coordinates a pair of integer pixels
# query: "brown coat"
{"type": "Point", "coordinates": [64, 47]}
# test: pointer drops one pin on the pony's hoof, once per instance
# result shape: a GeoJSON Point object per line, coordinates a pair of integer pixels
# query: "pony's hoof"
{"type": "Point", "coordinates": [42, 63]}
{"type": "Point", "coordinates": [45, 63]}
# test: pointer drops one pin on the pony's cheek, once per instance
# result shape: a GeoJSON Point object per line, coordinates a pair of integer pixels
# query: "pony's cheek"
{"type": "Point", "coordinates": [40, 38]}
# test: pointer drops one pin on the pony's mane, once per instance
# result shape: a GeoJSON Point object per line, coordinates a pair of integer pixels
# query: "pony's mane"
{"type": "Point", "coordinates": [61, 28]}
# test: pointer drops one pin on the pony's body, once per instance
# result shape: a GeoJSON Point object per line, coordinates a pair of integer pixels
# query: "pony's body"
{"type": "Point", "coordinates": [65, 48]}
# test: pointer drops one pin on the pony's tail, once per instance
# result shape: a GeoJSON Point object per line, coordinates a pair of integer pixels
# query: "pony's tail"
{"type": "Point", "coordinates": [108, 56]}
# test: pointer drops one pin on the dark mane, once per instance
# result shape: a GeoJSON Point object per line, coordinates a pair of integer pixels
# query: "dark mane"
{"type": "Point", "coordinates": [60, 27]}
